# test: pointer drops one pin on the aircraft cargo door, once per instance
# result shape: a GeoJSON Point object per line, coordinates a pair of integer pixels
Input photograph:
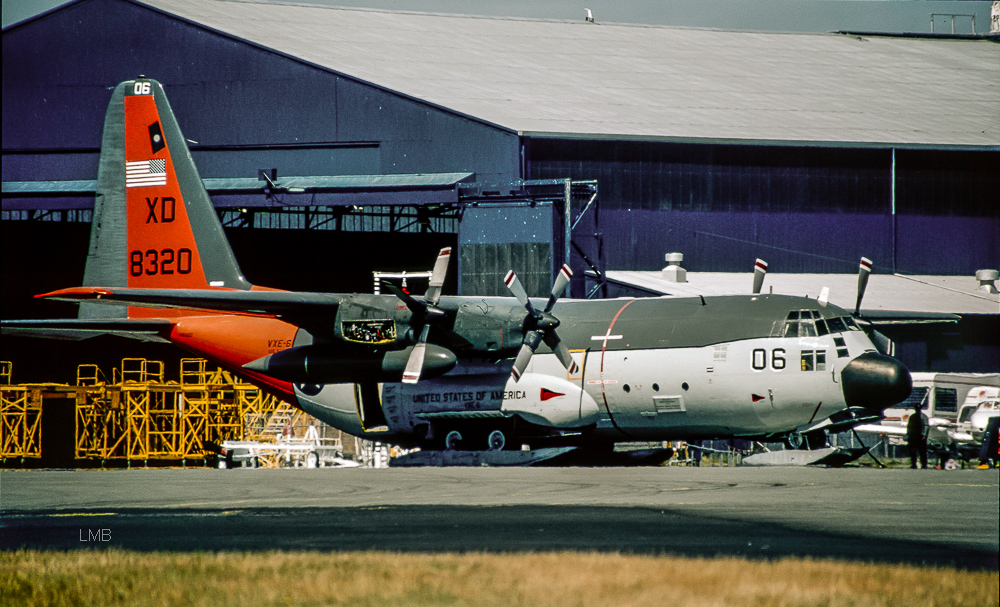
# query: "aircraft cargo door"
{"type": "Point", "coordinates": [368, 398]}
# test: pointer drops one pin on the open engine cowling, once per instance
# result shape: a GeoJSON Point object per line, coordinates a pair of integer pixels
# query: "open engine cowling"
{"type": "Point", "coordinates": [326, 365]}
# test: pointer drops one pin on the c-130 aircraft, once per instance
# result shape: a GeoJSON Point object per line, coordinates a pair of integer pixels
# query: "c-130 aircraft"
{"type": "Point", "coordinates": [437, 371]}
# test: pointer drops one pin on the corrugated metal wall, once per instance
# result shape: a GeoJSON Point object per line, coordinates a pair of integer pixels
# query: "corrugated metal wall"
{"type": "Point", "coordinates": [803, 209]}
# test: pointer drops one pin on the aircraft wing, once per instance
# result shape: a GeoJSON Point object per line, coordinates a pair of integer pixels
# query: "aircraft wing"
{"type": "Point", "coordinates": [74, 329]}
{"type": "Point", "coordinates": [881, 318]}
{"type": "Point", "coordinates": [284, 304]}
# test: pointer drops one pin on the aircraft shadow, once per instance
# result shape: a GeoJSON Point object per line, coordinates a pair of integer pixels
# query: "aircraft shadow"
{"type": "Point", "coordinates": [530, 528]}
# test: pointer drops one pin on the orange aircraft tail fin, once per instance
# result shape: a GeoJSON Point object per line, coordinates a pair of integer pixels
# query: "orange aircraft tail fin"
{"type": "Point", "coordinates": [154, 225]}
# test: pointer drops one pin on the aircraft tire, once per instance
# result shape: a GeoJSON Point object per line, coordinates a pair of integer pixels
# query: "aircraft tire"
{"type": "Point", "coordinates": [496, 441]}
{"type": "Point", "coordinates": [452, 440]}
{"type": "Point", "coordinates": [808, 441]}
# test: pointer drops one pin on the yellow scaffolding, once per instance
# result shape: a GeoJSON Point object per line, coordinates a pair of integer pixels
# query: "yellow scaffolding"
{"type": "Point", "coordinates": [139, 416]}
{"type": "Point", "coordinates": [20, 422]}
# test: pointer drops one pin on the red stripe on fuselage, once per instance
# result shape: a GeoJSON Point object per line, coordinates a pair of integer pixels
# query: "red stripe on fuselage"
{"type": "Point", "coordinates": [604, 348]}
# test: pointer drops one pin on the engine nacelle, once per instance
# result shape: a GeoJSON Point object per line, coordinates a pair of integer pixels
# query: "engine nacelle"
{"type": "Point", "coordinates": [372, 320]}
{"type": "Point", "coordinates": [319, 364]}
{"type": "Point", "coordinates": [549, 401]}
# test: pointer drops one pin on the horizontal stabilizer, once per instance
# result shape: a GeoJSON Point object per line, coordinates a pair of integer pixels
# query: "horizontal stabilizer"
{"type": "Point", "coordinates": [73, 329]}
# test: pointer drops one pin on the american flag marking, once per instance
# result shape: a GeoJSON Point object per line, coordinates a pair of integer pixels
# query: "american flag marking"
{"type": "Point", "coordinates": [142, 173]}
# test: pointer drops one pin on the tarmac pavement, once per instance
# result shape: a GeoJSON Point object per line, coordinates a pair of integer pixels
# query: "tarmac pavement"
{"type": "Point", "coordinates": [948, 518]}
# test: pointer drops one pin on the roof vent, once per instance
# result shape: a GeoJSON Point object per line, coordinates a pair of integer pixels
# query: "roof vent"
{"type": "Point", "coordinates": [987, 280]}
{"type": "Point", "coordinates": [674, 272]}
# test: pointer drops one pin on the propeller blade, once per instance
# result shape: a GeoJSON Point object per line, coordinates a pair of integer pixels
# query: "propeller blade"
{"type": "Point", "coordinates": [863, 271]}
{"type": "Point", "coordinates": [415, 305]}
{"type": "Point", "coordinates": [759, 270]}
{"type": "Point", "coordinates": [438, 275]}
{"type": "Point", "coordinates": [562, 279]}
{"type": "Point", "coordinates": [882, 343]}
{"type": "Point", "coordinates": [415, 363]}
{"type": "Point", "coordinates": [515, 287]}
{"type": "Point", "coordinates": [521, 362]}
{"type": "Point", "coordinates": [824, 296]}
{"type": "Point", "coordinates": [561, 351]}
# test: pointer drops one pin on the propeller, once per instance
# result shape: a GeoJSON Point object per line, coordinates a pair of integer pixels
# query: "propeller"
{"type": "Point", "coordinates": [863, 271]}
{"type": "Point", "coordinates": [759, 270]}
{"type": "Point", "coordinates": [541, 325]}
{"type": "Point", "coordinates": [882, 343]}
{"type": "Point", "coordinates": [424, 310]}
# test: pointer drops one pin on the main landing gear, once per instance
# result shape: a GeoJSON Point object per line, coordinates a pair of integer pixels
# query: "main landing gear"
{"type": "Point", "coordinates": [495, 440]}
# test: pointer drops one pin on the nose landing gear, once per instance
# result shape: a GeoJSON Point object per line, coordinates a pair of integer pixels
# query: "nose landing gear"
{"type": "Point", "coordinates": [809, 440]}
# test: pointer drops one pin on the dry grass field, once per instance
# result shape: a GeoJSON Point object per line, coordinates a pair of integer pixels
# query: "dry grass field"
{"type": "Point", "coordinates": [363, 579]}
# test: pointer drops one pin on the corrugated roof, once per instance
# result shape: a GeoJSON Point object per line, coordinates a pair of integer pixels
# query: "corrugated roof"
{"type": "Point", "coordinates": [946, 294]}
{"type": "Point", "coordinates": [556, 78]}
{"type": "Point", "coordinates": [404, 188]}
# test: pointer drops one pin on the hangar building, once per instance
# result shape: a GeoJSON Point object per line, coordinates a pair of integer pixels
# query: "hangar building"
{"type": "Point", "coordinates": [423, 129]}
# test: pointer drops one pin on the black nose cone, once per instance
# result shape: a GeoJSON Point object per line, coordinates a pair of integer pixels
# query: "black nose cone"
{"type": "Point", "coordinates": [875, 381]}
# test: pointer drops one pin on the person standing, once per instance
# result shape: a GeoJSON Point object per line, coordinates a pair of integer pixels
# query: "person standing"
{"type": "Point", "coordinates": [916, 437]}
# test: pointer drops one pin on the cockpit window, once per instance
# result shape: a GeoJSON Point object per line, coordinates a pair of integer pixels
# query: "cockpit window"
{"type": "Point", "coordinates": [836, 325]}
{"type": "Point", "coordinates": [810, 323]}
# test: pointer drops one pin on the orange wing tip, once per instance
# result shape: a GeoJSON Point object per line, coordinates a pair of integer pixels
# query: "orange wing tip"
{"type": "Point", "coordinates": [76, 293]}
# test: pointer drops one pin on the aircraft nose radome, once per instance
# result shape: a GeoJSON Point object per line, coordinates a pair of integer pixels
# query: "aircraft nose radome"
{"type": "Point", "coordinates": [875, 381]}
